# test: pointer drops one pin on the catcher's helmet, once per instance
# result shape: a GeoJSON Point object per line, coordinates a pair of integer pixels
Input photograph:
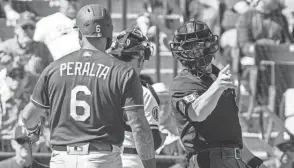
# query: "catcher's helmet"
{"type": "Point", "coordinates": [95, 21]}
{"type": "Point", "coordinates": [132, 42]}
{"type": "Point", "coordinates": [195, 45]}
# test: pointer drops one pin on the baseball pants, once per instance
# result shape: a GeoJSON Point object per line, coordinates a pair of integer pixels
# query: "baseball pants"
{"type": "Point", "coordinates": [95, 159]}
{"type": "Point", "coordinates": [218, 158]}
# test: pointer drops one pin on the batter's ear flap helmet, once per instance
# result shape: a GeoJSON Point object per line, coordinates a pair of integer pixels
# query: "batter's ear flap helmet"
{"type": "Point", "coordinates": [132, 42]}
{"type": "Point", "coordinates": [95, 21]}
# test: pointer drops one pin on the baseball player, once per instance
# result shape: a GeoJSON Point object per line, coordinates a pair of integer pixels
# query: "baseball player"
{"type": "Point", "coordinates": [56, 30]}
{"type": "Point", "coordinates": [88, 93]}
{"type": "Point", "coordinates": [134, 48]}
{"type": "Point", "coordinates": [203, 103]}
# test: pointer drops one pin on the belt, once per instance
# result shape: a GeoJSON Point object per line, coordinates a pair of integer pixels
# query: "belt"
{"type": "Point", "coordinates": [130, 151]}
{"type": "Point", "coordinates": [224, 152]}
{"type": "Point", "coordinates": [93, 147]}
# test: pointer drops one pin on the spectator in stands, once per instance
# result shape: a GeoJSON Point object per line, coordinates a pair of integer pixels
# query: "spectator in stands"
{"type": "Point", "coordinates": [228, 38]}
{"type": "Point", "coordinates": [57, 31]}
{"type": "Point", "coordinates": [12, 10]}
{"type": "Point", "coordinates": [233, 9]}
{"type": "Point", "coordinates": [24, 48]}
{"type": "Point", "coordinates": [23, 151]}
{"type": "Point", "coordinates": [8, 105]}
{"type": "Point", "coordinates": [22, 62]}
{"type": "Point", "coordinates": [288, 11]}
{"type": "Point", "coordinates": [205, 10]}
{"type": "Point", "coordinates": [155, 15]}
{"type": "Point", "coordinates": [264, 24]}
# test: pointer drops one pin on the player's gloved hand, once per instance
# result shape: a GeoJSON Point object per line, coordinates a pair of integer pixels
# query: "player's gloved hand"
{"type": "Point", "coordinates": [224, 80]}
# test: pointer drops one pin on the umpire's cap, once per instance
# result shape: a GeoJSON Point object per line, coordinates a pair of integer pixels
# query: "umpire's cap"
{"type": "Point", "coordinates": [94, 21]}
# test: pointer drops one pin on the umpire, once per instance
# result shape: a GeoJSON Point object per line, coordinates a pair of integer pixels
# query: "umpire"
{"type": "Point", "coordinates": [203, 102]}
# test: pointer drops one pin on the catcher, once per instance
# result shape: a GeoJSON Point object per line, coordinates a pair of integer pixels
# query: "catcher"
{"type": "Point", "coordinates": [134, 48]}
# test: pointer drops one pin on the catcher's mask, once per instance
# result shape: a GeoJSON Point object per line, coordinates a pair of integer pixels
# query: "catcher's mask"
{"type": "Point", "coordinates": [194, 44]}
{"type": "Point", "coordinates": [132, 42]}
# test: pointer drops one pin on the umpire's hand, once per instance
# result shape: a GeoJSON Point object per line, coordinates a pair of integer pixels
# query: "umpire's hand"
{"type": "Point", "coordinates": [224, 80]}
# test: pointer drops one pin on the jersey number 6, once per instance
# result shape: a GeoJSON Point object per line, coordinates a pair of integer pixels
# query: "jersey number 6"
{"type": "Point", "coordinates": [74, 103]}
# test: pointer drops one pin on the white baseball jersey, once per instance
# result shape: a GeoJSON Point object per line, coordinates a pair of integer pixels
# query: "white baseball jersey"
{"type": "Point", "coordinates": [151, 109]}
{"type": "Point", "coordinates": [57, 32]}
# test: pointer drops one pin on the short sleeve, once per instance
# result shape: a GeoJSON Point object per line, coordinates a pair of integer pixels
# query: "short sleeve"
{"type": "Point", "coordinates": [40, 96]}
{"type": "Point", "coordinates": [151, 108]}
{"type": "Point", "coordinates": [132, 91]}
{"type": "Point", "coordinates": [183, 91]}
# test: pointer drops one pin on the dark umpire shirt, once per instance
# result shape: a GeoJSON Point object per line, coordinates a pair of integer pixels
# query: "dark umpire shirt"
{"type": "Point", "coordinates": [221, 128]}
{"type": "Point", "coordinates": [87, 92]}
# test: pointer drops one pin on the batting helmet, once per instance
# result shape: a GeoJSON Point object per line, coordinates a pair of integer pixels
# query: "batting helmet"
{"type": "Point", "coordinates": [194, 46]}
{"type": "Point", "coordinates": [95, 21]}
{"type": "Point", "coordinates": [132, 42]}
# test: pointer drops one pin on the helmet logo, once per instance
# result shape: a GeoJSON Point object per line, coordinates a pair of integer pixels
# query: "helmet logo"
{"type": "Point", "coordinates": [98, 30]}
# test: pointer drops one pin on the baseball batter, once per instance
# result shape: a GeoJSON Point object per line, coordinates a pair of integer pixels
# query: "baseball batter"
{"type": "Point", "coordinates": [88, 93]}
{"type": "Point", "coordinates": [134, 48]}
{"type": "Point", "coordinates": [56, 30]}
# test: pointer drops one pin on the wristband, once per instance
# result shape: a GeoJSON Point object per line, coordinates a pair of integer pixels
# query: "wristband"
{"type": "Point", "coordinates": [255, 162]}
{"type": "Point", "coordinates": [35, 130]}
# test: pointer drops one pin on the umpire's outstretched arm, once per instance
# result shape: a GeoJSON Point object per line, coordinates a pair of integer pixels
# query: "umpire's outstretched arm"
{"type": "Point", "coordinates": [203, 106]}
{"type": "Point", "coordinates": [142, 136]}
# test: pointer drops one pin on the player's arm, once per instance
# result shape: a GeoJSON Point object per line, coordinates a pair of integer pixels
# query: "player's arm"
{"type": "Point", "coordinates": [134, 111]}
{"type": "Point", "coordinates": [31, 115]}
{"type": "Point", "coordinates": [151, 108]}
{"type": "Point", "coordinates": [33, 112]}
{"type": "Point", "coordinates": [142, 135]}
{"type": "Point", "coordinates": [195, 106]}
